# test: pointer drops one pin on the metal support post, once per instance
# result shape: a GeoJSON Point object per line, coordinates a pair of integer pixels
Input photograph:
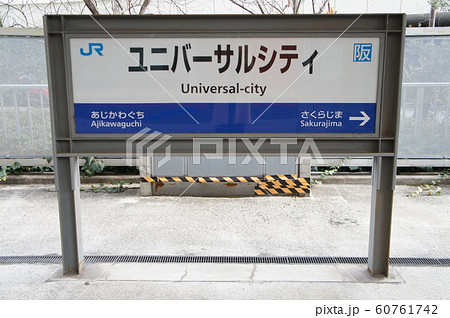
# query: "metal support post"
{"type": "Point", "coordinates": [68, 186]}
{"type": "Point", "coordinates": [383, 183]}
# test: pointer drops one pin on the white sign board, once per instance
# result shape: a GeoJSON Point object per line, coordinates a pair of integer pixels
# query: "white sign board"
{"type": "Point", "coordinates": [225, 85]}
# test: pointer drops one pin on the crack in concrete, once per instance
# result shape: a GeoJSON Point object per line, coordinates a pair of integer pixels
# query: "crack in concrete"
{"type": "Point", "coordinates": [253, 272]}
{"type": "Point", "coordinates": [185, 273]}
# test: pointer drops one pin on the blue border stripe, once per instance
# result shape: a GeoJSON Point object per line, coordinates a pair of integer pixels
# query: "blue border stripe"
{"type": "Point", "coordinates": [225, 118]}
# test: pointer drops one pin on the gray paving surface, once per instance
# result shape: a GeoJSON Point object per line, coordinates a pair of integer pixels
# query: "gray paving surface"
{"type": "Point", "coordinates": [334, 221]}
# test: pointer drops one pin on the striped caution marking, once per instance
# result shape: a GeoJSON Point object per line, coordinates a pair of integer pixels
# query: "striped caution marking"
{"type": "Point", "coordinates": [279, 177]}
{"type": "Point", "coordinates": [268, 185]}
{"type": "Point", "coordinates": [148, 179]}
{"type": "Point", "coordinates": [283, 184]}
{"type": "Point", "coordinates": [202, 179]}
{"type": "Point", "coordinates": [274, 189]}
{"type": "Point", "coordinates": [175, 179]}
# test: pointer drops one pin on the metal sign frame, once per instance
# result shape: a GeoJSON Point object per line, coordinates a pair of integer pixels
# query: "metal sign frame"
{"type": "Point", "coordinates": [382, 145]}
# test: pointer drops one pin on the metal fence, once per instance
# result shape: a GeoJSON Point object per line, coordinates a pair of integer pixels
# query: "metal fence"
{"type": "Point", "coordinates": [25, 121]}
{"type": "Point", "coordinates": [424, 120]}
{"type": "Point", "coordinates": [25, 130]}
{"type": "Point", "coordinates": [425, 111]}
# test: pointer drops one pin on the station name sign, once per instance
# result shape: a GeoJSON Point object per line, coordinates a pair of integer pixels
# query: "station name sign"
{"type": "Point", "coordinates": [312, 85]}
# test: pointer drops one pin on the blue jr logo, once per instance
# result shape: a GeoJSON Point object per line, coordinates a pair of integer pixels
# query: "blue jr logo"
{"type": "Point", "coordinates": [97, 47]}
{"type": "Point", "coordinates": [362, 52]}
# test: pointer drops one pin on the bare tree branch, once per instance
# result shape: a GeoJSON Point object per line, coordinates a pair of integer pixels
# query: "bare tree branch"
{"type": "Point", "coordinates": [174, 2]}
{"type": "Point", "coordinates": [280, 10]}
{"type": "Point", "coordinates": [144, 6]}
{"type": "Point", "coordinates": [20, 10]}
{"type": "Point", "coordinates": [91, 6]}
{"type": "Point", "coordinates": [260, 7]}
{"type": "Point", "coordinates": [104, 6]}
{"type": "Point", "coordinates": [242, 6]}
{"type": "Point", "coordinates": [322, 6]}
{"type": "Point", "coordinates": [280, 6]}
{"type": "Point", "coordinates": [132, 7]}
{"type": "Point", "coordinates": [297, 6]}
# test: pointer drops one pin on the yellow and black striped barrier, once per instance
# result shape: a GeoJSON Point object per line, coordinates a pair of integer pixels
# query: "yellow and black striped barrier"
{"type": "Point", "coordinates": [286, 184]}
{"type": "Point", "coordinates": [283, 184]}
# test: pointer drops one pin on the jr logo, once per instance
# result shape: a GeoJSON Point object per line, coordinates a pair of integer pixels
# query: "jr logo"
{"type": "Point", "coordinates": [362, 52]}
{"type": "Point", "coordinates": [97, 47]}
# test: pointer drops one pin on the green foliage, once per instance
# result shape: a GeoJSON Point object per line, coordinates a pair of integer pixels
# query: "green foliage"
{"type": "Point", "coordinates": [5, 170]}
{"type": "Point", "coordinates": [111, 187]}
{"type": "Point", "coordinates": [16, 168]}
{"type": "Point", "coordinates": [38, 169]}
{"type": "Point", "coordinates": [3, 173]}
{"type": "Point", "coordinates": [430, 189]}
{"type": "Point", "coordinates": [329, 171]}
{"type": "Point", "coordinates": [92, 166]}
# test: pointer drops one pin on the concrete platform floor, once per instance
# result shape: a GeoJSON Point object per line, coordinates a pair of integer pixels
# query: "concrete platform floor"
{"type": "Point", "coordinates": [334, 221]}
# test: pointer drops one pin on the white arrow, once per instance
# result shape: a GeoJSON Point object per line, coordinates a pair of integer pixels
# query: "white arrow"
{"type": "Point", "coordinates": [364, 119]}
